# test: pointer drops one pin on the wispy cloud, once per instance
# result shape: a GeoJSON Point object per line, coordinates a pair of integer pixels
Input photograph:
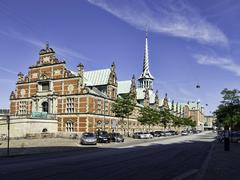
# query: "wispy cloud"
{"type": "Point", "coordinates": [224, 63]}
{"type": "Point", "coordinates": [65, 52]}
{"type": "Point", "coordinates": [176, 18]}
{"type": "Point", "coordinates": [7, 70]}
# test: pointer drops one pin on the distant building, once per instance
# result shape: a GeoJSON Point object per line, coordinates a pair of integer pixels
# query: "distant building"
{"type": "Point", "coordinates": [209, 122]}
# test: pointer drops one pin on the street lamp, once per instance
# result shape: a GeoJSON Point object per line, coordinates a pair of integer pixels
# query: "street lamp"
{"type": "Point", "coordinates": [104, 114]}
{"type": "Point", "coordinates": [8, 140]}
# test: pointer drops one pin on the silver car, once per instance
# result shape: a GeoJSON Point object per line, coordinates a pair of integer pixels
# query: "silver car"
{"type": "Point", "coordinates": [88, 138]}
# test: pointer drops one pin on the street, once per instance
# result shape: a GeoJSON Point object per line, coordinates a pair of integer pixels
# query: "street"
{"type": "Point", "coordinates": [176, 157]}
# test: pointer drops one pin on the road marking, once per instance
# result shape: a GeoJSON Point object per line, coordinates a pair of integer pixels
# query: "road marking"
{"type": "Point", "coordinates": [203, 169]}
{"type": "Point", "coordinates": [186, 174]}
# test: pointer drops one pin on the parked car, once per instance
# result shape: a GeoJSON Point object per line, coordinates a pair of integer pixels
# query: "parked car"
{"type": "Point", "coordinates": [184, 133]}
{"type": "Point", "coordinates": [88, 138]}
{"type": "Point", "coordinates": [160, 133]}
{"type": "Point", "coordinates": [103, 137]}
{"type": "Point", "coordinates": [116, 137]}
{"type": "Point", "coordinates": [195, 132]}
{"type": "Point", "coordinates": [173, 133]}
{"type": "Point", "coordinates": [154, 134]}
{"type": "Point", "coordinates": [147, 135]}
{"type": "Point", "coordinates": [168, 133]}
{"type": "Point", "coordinates": [136, 135]}
{"type": "Point", "coordinates": [235, 136]}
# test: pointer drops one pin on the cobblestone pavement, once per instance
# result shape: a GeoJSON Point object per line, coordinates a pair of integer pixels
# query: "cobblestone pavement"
{"type": "Point", "coordinates": [224, 165]}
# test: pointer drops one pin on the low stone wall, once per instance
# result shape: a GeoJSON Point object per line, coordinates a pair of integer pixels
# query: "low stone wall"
{"type": "Point", "coordinates": [24, 126]}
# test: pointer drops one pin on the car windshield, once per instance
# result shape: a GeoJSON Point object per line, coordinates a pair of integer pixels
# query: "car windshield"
{"type": "Point", "coordinates": [89, 135]}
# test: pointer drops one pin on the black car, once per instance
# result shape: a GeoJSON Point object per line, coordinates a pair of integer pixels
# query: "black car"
{"type": "Point", "coordinates": [116, 137]}
{"type": "Point", "coordinates": [173, 133]}
{"type": "Point", "coordinates": [160, 133]}
{"type": "Point", "coordinates": [103, 137]}
{"type": "Point", "coordinates": [155, 134]}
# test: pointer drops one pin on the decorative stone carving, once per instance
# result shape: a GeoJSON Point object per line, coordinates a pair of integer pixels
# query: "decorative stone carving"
{"type": "Point", "coordinates": [70, 88]}
{"type": "Point", "coordinates": [22, 92]}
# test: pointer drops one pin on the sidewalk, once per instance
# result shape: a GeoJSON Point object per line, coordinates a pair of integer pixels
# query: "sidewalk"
{"type": "Point", "coordinates": [223, 164]}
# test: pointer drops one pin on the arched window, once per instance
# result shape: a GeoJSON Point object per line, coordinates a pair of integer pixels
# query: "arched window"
{"type": "Point", "coordinates": [69, 126]}
{"type": "Point", "coordinates": [45, 106]}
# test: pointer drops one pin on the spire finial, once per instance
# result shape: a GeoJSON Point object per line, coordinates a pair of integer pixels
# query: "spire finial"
{"type": "Point", "coordinates": [47, 45]}
{"type": "Point", "coordinates": [146, 30]}
{"type": "Point", "coordinates": [133, 77]}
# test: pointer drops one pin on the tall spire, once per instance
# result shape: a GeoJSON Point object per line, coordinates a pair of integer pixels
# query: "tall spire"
{"type": "Point", "coordinates": [145, 62]}
{"type": "Point", "coordinates": [146, 78]}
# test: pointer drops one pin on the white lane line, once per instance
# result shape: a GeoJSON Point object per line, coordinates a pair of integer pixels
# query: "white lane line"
{"type": "Point", "coordinates": [186, 174]}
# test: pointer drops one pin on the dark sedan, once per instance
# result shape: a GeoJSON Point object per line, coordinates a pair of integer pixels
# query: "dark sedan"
{"type": "Point", "coordinates": [116, 137]}
{"type": "Point", "coordinates": [103, 137]}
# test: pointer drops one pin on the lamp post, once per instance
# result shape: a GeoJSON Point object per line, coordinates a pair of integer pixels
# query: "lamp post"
{"type": "Point", "coordinates": [8, 140]}
{"type": "Point", "coordinates": [128, 127]}
{"type": "Point", "coordinates": [104, 114]}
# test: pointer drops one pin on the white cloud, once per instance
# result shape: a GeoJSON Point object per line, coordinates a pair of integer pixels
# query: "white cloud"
{"type": "Point", "coordinates": [7, 70]}
{"type": "Point", "coordinates": [176, 18]}
{"type": "Point", "coordinates": [224, 63]}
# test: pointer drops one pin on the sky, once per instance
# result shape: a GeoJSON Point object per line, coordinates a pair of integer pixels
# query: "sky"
{"type": "Point", "coordinates": [190, 42]}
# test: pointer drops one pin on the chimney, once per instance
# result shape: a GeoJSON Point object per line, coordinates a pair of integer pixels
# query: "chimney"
{"type": "Point", "coordinates": [80, 69]}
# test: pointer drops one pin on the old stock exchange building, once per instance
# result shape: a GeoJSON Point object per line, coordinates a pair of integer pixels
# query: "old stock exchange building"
{"type": "Point", "coordinates": [51, 98]}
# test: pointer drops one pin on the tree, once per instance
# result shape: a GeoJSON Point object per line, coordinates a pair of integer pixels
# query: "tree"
{"type": "Point", "coordinates": [149, 116]}
{"type": "Point", "coordinates": [176, 121]}
{"type": "Point", "coordinates": [123, 107]}
{"type": "Point", "coordinates": [228, 112]}
{"type": "Point", "coordinates": [165, 117]}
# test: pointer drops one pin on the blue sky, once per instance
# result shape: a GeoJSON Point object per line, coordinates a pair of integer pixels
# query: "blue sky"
{"type": "Point", "coordinates": [190, 42]}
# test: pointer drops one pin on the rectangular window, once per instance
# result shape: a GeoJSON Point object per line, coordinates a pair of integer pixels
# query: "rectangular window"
{"type": "Point", "coordinates": [70, 105]}
{"type": "Point", "coordinates": [22, 107]}
{"type": "Point", "coordinates": [99, 106]}
{"type": "Point", "coordinates": [45, 86]}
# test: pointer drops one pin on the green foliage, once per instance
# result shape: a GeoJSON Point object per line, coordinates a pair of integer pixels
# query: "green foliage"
{"type": "Point", "coordinates": [124, 106]}
{"type": "Point", "coordinates": [228, 112]}
{"type": "Point", "coordinates": [165, 117]}
{"type": "Point", "coordinates": [148, 116]}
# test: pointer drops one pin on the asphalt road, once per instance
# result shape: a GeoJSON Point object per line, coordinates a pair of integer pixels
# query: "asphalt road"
{"type": "Point", "coordinates": [171, 158]}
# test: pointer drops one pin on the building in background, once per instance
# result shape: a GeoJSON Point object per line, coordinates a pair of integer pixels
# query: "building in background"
{"type": "Point", "coordinates": [209, 122]}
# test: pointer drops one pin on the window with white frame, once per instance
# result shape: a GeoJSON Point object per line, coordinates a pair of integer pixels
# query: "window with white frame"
{"type": "Point", "coordinates": [99, 105]}
{"type": "Point", "coordinates": [106, 107]}
{"type": "Point", "coordinates": [69, 126]}
{"type": "Point", "coordinates": [70, 105]}
{"type": "Point", "coordinates": [22, 107]}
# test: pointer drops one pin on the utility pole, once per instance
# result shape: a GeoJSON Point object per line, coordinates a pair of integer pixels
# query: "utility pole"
{"type": "Point", "coordinates": [104, 114]}
{"type": "Point", "coordinates": [128, 126]}
{"type": "Point", "coordinates": [8, 140]}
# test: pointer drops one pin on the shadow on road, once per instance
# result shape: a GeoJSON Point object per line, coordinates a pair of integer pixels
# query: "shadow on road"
{"type": "Point", "coordinates": [145, 161]}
